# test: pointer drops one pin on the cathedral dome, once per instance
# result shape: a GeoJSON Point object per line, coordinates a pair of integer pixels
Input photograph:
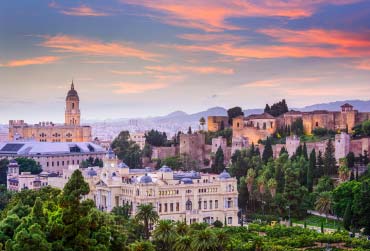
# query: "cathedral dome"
{"type": "Point", "coordinates": [72, 93]}
{"type": "Point", "coordinates": [224, 175]}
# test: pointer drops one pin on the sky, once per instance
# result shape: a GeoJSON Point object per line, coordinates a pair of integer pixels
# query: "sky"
{"type": "Point", "coordinates": [139, 58]}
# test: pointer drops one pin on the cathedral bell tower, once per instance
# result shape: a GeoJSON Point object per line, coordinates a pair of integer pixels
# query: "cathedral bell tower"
{"type": "Point", "coordinates": [72, 113]}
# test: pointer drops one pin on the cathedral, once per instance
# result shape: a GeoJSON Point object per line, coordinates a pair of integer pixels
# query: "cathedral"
{"type": "Point", "coordinates": [71, 131]}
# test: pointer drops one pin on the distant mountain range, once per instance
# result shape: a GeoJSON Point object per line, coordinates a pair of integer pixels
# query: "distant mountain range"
{"type": "Point", "coordinates": [180, 121]}
{"type": "Point", "coordinates": [183, 117]}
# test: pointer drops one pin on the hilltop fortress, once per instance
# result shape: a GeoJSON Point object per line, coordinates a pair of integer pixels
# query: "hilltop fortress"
{"type": "Point", "coordinates": [260, 126]}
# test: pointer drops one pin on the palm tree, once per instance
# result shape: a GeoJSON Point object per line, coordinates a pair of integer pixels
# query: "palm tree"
{"type": "Point", "coordinates": [272, 185]}
{"type": "Point", "coordinates": [183, 243]}
{"type": "Point", "coordinates": [147, 214]}
{"type": "Point", "coordinates": [222, 240]}
{"type": "Point", "coordinates": [181, 228]}
{"type": "Point", "coordinates": [164, 235]}
{"type": "Point", "coordinates": [324, 203]}
{"type": "Point", "coordinates": [343, 173]}
{"type": "Point", "coordinates": [261, 181]}
{"type": "Point", "coordinates": [204, 240]}
{"type": "Point", "coordinates": [141, 246]}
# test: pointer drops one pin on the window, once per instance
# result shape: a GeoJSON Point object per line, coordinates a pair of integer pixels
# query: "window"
{"type": "Point", "coordinates": [160, 207]}
{"type": "Point", "coordinates": [189, 205]}
{"type": "Point", "coordinates": [210, 204]}
{"type": "Point", "coordinates": [230, 220]}
{"type": "Point", "coordinates": [165, 207]}
{"type": "Point", "coordinates": [205, 204]}
{"type": "Point", "coordinates": [177, 206]}
{"type": "Point", "coordinates": [216, 204]}
{"type": "Point", "coordinates": [229, 203]}
{"type": "Point", "coordinates": [171, 207]}
{"type": "Point", "coordinates": [199, 204]}
{"type": "Point", "coordinates": [317, 124]}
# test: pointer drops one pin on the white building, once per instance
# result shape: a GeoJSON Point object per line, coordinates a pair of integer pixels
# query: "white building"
{"type": "Point", "coordinates": [179, 196]}
{"type": "Point", "coordinates": [138, 138]}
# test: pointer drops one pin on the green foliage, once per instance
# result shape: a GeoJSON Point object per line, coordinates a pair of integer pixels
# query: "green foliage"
{"type": "Point", "coordinates": [233, 113]}
{"type": "Point", "coordinates": [329, 159]}
{"type": "Point", "coordinates": [297, 127]}
{"type": "Point", "coordinates": [175, 162]}
{"type": "Point", "coordinates": [218, 165]}
{"type": "Point", "coordinates": [91, 162]}
{"type": "Point", "coordinates": [147, 215]}
{"type": "Point", "coordinates": [347, 219]}
{"type": "Point", "coordinates": [3, 170]}
{"type": "Point", "coordinates": [366, 127]}
{"type": "Point", "coordinates": [147, 151]}
{"type": "Point", "coordinates": [156, 138]}
{"type": "Point", "coordinates": [277, 109]}
{"type": "Point", "coordinates": [28, 165]}
{"type": "Point", "coordinates": [267, 152]}
{"type": "Point", "coordinates": [126, 150]}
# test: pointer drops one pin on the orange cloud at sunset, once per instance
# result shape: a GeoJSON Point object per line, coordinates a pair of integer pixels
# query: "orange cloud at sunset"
{"type": "Point", "coordinates": [83, 10]}
{"type": "Point", "coordinates": [30, 61]}
{"type": "Point", "coordinates": [318, 37]}
{"type": "Point", "coordinates": [213, 15]}
{"type": "Point", "coordinates": [65, 43]}
{"type": "Point", "coordinates": [194, 69]}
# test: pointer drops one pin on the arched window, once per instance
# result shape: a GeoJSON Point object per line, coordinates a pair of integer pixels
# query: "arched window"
{"type": "Point", "coordinates": [189, 205]}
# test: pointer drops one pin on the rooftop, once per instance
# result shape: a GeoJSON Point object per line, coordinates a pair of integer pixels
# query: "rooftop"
{"type": "Point", "coordinates": [48, 148]}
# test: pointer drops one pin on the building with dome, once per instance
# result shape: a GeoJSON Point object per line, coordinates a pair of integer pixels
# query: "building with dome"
{"type": "Point", "coordinates": [178, 196]}
{"type": "Point", "coordinates": [70, 131]}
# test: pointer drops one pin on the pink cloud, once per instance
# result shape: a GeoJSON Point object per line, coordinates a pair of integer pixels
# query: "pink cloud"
{"type": "Point", "coordinates": [83, 10]}
{"type": "Point", "coordinates": [31, 61]}
{"type": "Point", "coordinates": [318, 37]}
{"type": "Point", "coordinates": [65, 43]}
{"type": "Point", "coordinates": [278, 82]}
{"type": "Point", "coordinates": [135, 88]}
{"type": "Point", "coordinates": [363, 65]}
{"type": "Point", "coordinates": [194, 69]}
{"type": "Point", "coordinates": [212, 15]}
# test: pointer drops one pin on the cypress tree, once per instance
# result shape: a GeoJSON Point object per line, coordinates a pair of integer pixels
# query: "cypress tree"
{"type": "Point", "coordinates": [218, 165]}
{"type": "Point", "coordinates": [267, 152]}
{"type": "Point", "coordinates": [329, 159]}
{"type": "Point", "coordinates": [347, 218]}
{"type": "Point", "coordinates": [311, 170]}
{"type": "Point", "coordinates": [282, 151]}
{"type": "Point", "coordinates": [320, 166]}
{"type": "Point", "coordinates": [305, 153]}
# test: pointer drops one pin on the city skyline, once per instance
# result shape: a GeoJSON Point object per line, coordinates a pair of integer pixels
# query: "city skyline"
{"type": "Point", "coordinates": [140, 58]}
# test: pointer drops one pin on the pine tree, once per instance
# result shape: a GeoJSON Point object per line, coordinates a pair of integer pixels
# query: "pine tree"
{"type": "Point", "coordinates": [329, 159]}
{"type": "Point", "coordinates": [189, 130]}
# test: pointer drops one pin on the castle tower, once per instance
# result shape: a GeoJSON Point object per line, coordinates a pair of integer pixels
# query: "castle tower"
{"type": "Point", "coordinates": [72, 113]}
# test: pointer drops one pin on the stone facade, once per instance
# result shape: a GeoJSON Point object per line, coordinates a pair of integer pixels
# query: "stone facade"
{"type": "Point", "coordinates": [193, 146]}
{"type": "Point", "coordinates": [215, 123]}
{"type": "Point", "coordinates": [191, 197]}
{"type": "Point", "coordinates": [164, 152]}
{"type": "Point", "coordinates": [71, 131]}
{"type": "Point", "coordinates": [259, 127]}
